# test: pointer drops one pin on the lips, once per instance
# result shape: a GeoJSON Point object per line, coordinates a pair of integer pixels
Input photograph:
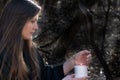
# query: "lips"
{"type": "Point", "coordinates": [31, 32]}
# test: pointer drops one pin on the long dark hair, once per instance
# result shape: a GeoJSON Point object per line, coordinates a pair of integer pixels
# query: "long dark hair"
{"type": "Point", "coordinates": [12, 62]}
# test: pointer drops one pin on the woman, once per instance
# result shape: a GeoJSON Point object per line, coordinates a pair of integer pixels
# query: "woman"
{"type": "Point", "coordinates": [19, 60]}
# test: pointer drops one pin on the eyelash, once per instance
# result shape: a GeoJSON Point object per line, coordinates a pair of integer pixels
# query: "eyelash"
{"type": "Point", "coordinates": [32, 21]}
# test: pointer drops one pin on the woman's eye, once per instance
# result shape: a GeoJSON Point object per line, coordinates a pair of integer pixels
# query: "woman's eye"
{"type": "Point", "coordinates": [33, 21]}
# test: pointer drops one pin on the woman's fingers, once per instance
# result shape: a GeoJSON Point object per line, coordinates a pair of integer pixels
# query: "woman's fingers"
{"type": "Point", "coordinates": [83, 57]}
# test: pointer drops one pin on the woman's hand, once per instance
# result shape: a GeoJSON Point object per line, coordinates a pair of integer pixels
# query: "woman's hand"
{"type": "Point", "coordinates": [72, 77]}
{"type": "Point", "coordinates": [80, 58]}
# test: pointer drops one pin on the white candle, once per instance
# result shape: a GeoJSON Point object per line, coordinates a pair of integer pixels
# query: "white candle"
{"type": "Point", "coordinates": [81, 71]}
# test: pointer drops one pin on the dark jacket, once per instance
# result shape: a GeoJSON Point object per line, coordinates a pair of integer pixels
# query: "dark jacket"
{"type": "Point", "coordinates": [51, 72]}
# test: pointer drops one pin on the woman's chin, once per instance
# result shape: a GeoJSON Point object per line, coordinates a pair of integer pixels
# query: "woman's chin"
{"type": "Point", "coordinates": [27, 38]}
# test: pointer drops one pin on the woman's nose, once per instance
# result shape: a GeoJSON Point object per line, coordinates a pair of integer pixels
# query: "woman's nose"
{"type": "Point", "coordinates": [36, 26]}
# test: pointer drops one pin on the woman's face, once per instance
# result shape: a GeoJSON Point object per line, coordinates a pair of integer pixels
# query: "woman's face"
{"type": "Point", "coordinates": [29, 28]}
